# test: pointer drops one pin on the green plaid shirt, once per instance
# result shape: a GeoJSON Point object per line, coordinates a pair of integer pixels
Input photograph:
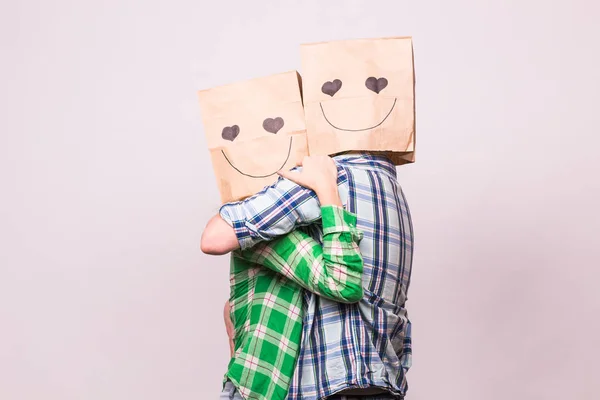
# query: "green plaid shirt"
{"type": "Point", "coordinates": [266, 299]}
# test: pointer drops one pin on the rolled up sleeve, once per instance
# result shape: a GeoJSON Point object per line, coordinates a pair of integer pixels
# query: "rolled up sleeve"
{"type": "Point", "coordinates": [275, 211]}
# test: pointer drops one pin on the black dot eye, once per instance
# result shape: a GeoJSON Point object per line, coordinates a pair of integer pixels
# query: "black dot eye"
{"type": "Point", "coordinates": [273, 125]}
{"type": "Point", "coordinates": [376, 85]}
{"type": "Point", "coordinates": [331, 88]}
{"type": "Point", "coordinates": [230, 132]}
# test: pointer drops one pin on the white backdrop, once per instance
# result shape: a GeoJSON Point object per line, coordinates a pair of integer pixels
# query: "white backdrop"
{"type": "Point", "coordinates": [106, 185]}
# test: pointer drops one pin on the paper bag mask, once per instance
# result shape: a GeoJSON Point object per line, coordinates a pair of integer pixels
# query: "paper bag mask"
{"type": "Point", "coordinates": [253, 129]}
{"type": "Point", "coordinates": [359, 95]}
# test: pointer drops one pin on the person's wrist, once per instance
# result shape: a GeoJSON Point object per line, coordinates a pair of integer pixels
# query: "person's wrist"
{"type": "Point", "coordinates": [328, 195]}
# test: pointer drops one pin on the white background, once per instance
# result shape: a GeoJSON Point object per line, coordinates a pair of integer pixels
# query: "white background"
{"type": "Point", "coordinates": [106, 185]}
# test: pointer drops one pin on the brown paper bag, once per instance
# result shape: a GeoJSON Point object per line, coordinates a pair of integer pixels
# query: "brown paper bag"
{"type": "Point", "coordinates": [359, 95]}
{"type": "Point", "coordinates": [253, 129]}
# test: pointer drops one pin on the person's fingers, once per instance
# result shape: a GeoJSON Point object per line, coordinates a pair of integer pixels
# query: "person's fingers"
{"type": "Point", "coordinates": [295, 177]}
{"type": "Point", "coordinates": [228, 324]}
{"type": "Point", "coordinates": [229, 328]}
{"type": "Point", "coordinates": [284, 173]}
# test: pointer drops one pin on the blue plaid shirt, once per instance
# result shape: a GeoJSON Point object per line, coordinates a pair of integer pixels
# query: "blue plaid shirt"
{"type": "Point", "coordinates": [346, 346]}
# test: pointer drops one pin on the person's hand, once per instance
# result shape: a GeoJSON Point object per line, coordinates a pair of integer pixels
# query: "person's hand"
{"type": "Point", "coordinates": [229, 327]}
{"type": "Point", "coordinates": [318, 173]}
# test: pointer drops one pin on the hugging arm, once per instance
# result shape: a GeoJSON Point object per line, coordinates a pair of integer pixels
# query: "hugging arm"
{"type": "Point", "coordinates": [333, 270]}
{"type": "Point", "coordinates": [218, 237]}
{"type": "Point", "coordinates": [273, 212]}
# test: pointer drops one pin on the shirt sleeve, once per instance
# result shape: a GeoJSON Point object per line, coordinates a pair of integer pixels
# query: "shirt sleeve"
{"type": "Point", "coordinates": [273, 212]}
{"type": "Point", "coordinates": [333, 270]}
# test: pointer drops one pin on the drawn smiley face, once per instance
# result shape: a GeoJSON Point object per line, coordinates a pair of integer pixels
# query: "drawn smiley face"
{"type": "Point", "coordinates": [271, 125]}
{"type": "Point", "coordinates": [372, 83]}
{"type": "Point", "coordinates": [254, 128]}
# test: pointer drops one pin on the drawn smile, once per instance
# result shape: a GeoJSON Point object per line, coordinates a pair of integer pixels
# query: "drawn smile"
{"type": "Point", "coordinates": [358, 130]}
{"type": "Point", "coordinates": [261, 176]}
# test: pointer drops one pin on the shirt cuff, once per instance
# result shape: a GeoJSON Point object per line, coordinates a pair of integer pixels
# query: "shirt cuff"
{"type": "Point", "coordinates": [240, 228]}
{"type": "Point", "coordinates": [336, 219]}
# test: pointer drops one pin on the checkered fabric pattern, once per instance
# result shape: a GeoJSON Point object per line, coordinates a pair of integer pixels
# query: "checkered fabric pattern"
{"type": "Point", "coordinates": [267, 299]}
{"type": "Point", "coordinates": [361, 345]}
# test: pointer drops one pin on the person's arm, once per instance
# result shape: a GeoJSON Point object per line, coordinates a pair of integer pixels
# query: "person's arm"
{"type": "Point", "coordinates": [333, 270]}
{"type": "Point", "coordinates": [229, 328]}
{"type": "Point", "coordinates": [218, 237]}
{"type": "Point", "coordinates": [273, 212]}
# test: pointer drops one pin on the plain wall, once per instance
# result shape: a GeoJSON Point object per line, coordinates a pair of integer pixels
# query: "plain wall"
{"type": "Point", "coordinates": [106, 185]}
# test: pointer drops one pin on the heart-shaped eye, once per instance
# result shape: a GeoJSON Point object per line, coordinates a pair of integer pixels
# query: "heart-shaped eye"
{"type": "Point", "coordinates": [273, 125]}
{"type": "Point", "coordinates": [230, 132]}
{"type": "Point", "coordinates": [331, 88]}
{"type": "Point", "coordinates": [376, 85]}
